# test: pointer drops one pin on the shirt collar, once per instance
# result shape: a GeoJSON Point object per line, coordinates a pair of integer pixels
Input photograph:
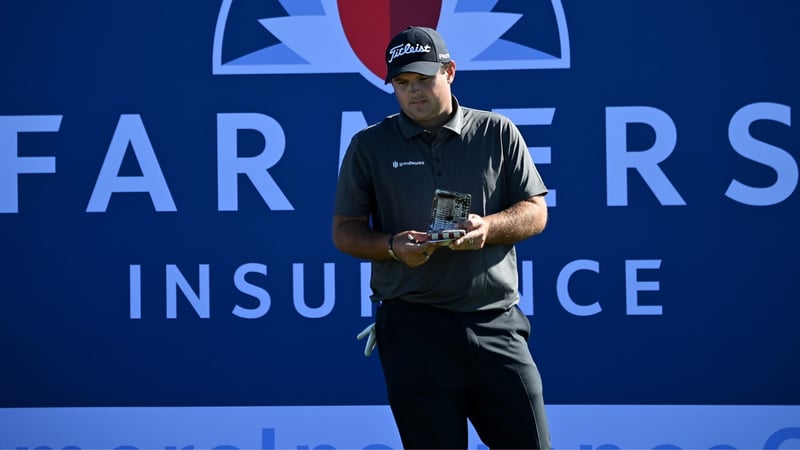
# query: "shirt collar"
{"type": "Point", "coordinates": [409, 128]}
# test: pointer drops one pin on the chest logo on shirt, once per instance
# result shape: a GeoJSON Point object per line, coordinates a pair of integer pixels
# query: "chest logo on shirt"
{"type": "Point", "coordinates": [398, 164]}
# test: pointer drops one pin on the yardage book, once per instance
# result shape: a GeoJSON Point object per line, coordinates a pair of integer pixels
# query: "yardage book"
{"type": "Point", "coordinates": [448, 209]}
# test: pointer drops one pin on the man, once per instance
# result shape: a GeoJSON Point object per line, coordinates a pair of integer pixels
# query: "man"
{"type": "Point", "coordinates": [451, 340]}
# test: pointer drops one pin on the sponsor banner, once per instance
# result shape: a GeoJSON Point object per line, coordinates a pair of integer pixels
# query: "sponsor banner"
{"type": "Point", "coordinates": [584, 427]}
{"type": "Point", "coordinates": [166, 193]}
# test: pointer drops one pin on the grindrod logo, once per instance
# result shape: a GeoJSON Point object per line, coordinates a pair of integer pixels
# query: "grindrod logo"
{"type": "Point", "coordinates": [396, 164]}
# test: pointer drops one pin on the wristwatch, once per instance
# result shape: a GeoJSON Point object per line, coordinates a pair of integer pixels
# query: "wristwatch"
{"type": "Point", "coordinates": [391, 250]}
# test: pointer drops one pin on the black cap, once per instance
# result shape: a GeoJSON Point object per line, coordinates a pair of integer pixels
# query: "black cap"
{"type": "Point", "coordinates": [416, 49]}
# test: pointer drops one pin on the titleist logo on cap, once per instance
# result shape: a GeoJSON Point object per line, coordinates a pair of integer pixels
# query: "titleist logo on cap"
{"type": "Point", "coordinates": [417, 50]}
{"type": "Point", "coordinates": [405, 49]}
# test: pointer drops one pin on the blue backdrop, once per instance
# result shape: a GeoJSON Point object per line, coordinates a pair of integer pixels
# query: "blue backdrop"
{"type": "Point", "coordinates": [167, 173]}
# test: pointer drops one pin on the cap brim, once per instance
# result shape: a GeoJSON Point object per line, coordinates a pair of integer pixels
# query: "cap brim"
{"type": "Point", "coordinates": [428, 68]}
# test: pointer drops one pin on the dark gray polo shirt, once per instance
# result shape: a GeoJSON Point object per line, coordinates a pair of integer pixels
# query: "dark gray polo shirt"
{"type": "Point", "coordinates": [390, 172]}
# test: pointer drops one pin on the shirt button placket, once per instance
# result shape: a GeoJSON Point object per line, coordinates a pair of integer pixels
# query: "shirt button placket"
{"type": "Point", "coordinates": [437, 161]}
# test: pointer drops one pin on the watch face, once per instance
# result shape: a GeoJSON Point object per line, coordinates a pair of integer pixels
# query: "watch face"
{"type": "Point", "coordinates": [391, 251]}
{"type": "Point", "coordinates": [448, 209]}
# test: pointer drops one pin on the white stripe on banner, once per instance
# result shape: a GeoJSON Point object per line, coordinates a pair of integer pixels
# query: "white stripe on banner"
{"type": "Point", "coordinates": [584, 427]}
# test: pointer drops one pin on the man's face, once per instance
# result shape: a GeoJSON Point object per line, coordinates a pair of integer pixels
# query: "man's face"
{"type": "Point", "coordinates": [425, 99]}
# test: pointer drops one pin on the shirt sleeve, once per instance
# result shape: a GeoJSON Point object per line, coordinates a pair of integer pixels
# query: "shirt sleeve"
{"type": "Point", "coordinates": [524, 181]}
{"type": "Point", "coordinates": [354, 188]}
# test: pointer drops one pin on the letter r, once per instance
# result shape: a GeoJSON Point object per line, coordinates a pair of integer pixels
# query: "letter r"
{"type": "Point", "coordinates": [646, 162]}
{"type": "Point", "coordinates": [230, 165]}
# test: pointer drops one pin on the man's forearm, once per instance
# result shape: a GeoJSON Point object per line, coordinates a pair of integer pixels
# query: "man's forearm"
{"type": "Point", "coordinates": [518, 222]}
{"type": "Point", "coordinates": [354, 236]}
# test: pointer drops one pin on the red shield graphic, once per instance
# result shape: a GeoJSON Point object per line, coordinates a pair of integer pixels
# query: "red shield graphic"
{"type": "Point", "coordinates": [370, 24]}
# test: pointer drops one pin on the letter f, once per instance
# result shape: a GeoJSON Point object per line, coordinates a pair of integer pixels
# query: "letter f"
{"type": "Point", "coordinates": [11, 164]}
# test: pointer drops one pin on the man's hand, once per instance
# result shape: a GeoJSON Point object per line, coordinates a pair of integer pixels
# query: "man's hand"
{"type": "Point", "coordinates": [413, 248]}
{"type": "Point", "coordinates": [477, 232]}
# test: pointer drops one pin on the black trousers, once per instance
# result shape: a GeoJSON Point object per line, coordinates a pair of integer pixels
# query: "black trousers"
{"type": "Point", "coordinates": [443, 368]}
